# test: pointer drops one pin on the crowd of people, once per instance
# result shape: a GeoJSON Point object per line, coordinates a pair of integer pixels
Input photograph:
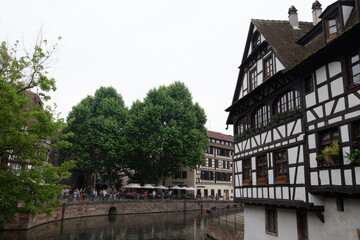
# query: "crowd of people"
{"type": "Point", "coordinates": [113, 194]}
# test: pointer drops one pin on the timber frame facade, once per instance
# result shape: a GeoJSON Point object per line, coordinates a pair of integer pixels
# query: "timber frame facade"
{"type": "Point", "coordinates": [296, 118]}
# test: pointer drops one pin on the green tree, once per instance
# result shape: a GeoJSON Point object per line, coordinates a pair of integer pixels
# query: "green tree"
{"type": "Point", "coordinates": [28, 181]}
{"type": "Point", "coordinates": [95, 130]}
{"type": "Point", "coordinates": [164, 133]}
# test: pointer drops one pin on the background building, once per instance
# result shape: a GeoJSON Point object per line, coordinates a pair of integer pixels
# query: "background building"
{"type": "Point", "coordinates": [214, 178]}
{"type": "Point", "coordinates": [296, 119]}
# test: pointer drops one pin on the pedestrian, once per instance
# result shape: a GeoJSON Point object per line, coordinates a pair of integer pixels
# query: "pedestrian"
{"type": "Point", "coordinates": [104, 194]}
{"type": "Point", "coordinates": [154, 194]}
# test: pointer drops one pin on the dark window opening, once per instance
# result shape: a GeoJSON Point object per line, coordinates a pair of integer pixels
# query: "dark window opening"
{"type": "Point", "coordinates": [271, 220]}
{"type": "Point", "coordinates": [261, 169]}
{"type": "Point", "coordinates": [327, 138]}
{"type": "Point", "coordinates": [289, 102]}
{"type": "Point", "coordinates": [262, 116]}
{"type": "Point", "coordinates": [354, 65]}
{"type": "Point", "coordinates": [340, 204]}
{"type": "Point", "coordinates": [281, 167]}
{"type": "Point", "coordinates": [302, 226]}
{"type": "Point", "coordinates": [309, 84]}
{"type": "Point", "coordinates": [253, 79]}
{"type": "Point", "coordinates": [268, 68]}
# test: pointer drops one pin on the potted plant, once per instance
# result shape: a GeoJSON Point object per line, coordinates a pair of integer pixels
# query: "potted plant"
{"type": "Point", "coordinates": [331, 153]}
{"type": "Point", "coordinates": [281, 179]}
{"type": "Point", "coordinates": [354, 157]}
{"type": "Point", "coordinates": [320, 159]}
{"type": "Point", "coordinates": [207, 210]}
{"type": "Point", "coordinates": [261, 181]}
{"type": "Point", "coordinates": [247, 182]}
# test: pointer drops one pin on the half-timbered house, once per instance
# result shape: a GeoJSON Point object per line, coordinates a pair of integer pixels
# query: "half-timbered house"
{"type": "Point", "coordinates": [296, 118]}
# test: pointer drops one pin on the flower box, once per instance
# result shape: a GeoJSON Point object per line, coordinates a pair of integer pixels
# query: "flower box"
{"type": "Point", "coordinates": [281, 180]}
{"type": "Point", "coordinates": [247, 182]}
{"type": "Point", "coordinates": [261, 181]}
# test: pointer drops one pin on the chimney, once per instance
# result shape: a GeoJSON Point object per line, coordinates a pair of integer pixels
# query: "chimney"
{"type": "Point", "coordinates": [316, 7]}
{"type": "Point", "coordinates": [293, 17]}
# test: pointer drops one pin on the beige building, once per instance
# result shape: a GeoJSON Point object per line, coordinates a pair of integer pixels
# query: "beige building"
{"type": "Point", "coordinates": [214, 178]}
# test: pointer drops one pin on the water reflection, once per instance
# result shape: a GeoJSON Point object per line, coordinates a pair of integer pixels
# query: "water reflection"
{"type": "Point", "coordinates": [179, 225]}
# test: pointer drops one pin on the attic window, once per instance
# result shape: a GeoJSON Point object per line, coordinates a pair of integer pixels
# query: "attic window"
{"type": "Point", "coordinates": [255, 40]}
{"type": "Point", "coordinates": [332, 27]}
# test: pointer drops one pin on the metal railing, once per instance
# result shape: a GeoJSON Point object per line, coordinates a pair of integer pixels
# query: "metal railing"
{"type": "Point", "coordinates": [232, 218]}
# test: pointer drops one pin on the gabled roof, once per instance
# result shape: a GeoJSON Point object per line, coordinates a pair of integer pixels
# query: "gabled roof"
{"type": "Point", "coordinates": [282, 37]}
{"type": "Point", "coordinates": [220, 136]}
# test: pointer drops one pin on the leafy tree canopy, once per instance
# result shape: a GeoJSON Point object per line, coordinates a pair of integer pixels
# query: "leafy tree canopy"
{"type": "Point", "coordinates": [28, 181]}
{"type": "Point", "coordinates": [95, 130]}
{"type": "Point", "coordinates": [164, 133]}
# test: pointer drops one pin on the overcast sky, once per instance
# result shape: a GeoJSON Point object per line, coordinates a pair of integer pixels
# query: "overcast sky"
{"type": "Point", "coordinates": [136, 45]}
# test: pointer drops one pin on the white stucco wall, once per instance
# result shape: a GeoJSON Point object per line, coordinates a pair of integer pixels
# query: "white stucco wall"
{"type": "Point", "coordinates": [338, 225]}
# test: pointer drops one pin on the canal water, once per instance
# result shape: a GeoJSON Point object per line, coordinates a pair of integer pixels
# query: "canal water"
{"type": "Point", "coordinates": [175, 225]}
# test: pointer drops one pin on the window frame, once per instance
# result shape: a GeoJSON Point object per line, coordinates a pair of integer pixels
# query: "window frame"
{"type": "Point", "coordinates": [271, 223]}
{"type": "Point", "coordinates": [261, 170]}
{"type": "Point", "coordinates": [330, 36]}
{"type": "Point", "coordinates": [253, 83]}
{"type": "Point", "coordinates": [283, 163]}
{"type": "Point", "coordinates": [268, 67]}
{"type": "Point", "coordinates": [332, 138]}
{"type": "Point", "coordinates": [309, 84]}
{"type": "Point", "coordinates": [246, 171]}
{"type": "Point", "coordinates": [288, 102]}
{"type": "Point", "coordinates": [261, 116]}
{"type": "Point", "coordinates": [351, 65]}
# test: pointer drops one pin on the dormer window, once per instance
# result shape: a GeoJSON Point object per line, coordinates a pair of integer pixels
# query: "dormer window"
{"type": "Point", "coordinates": [268, 68]}
{"type": "Point", "coordinates": [253, 79]}
{"type": "Point", "coordinates": [255, 40]}
{"type": "Point", "coordinates": [332, 27]}
{"type": "Point", "coordinates": [354, 64]}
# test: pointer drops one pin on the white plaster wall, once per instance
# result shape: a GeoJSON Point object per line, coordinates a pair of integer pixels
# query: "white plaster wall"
{"type": "Point", "coordinates": [237, 193]}
{"type": "Point", "coordinates": [320, 75]}
{"type": "Point", "coordinates": [344, 134]}
{"type": "Point", "coordinates": [338, 225]}
{"type": "Point", "coordinates": [255, 224]}
{"type": "Point", "coordinates": [337, 87]}
{"type": "Point", "coordinates": [312, 158]}
{"type": "Point", "coordinates": [279, 66]}
{"type": "Point", "coordinates": [334, 68]}
{"type": "Point", "coordinates": [353, 100]}
{"type": "Point", "coordinates": [292, 155]}
{"type": "Point", "coordinates": [348, 177]}
{"type": "Point", "coordinates": [328, 107]}
{"type": "Point", "coordinates": [300, 175]}
{"type": "Point", "coordinates": [336, 177]}
{"type": "Point", "coordinates": [314, 179]}
{"type": "Point", "coordinates": [310, 117]}
{"type": "Point", "coordinates": [357, 175]}
{"type": "Point", "coordinates": [323, 93]}
{"type": "Point", "coordinates": [324, 177]}
{"type": "Point", "coordinates": [311, 141]}
{"type": "Point", "coordinates": [310, 99]}
{"type": "Point", "coordinates": [346, 13]}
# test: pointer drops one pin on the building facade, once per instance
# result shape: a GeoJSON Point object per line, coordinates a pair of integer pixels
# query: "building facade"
{"type": "Point", "coordinates": [296, 117]}
{"type": "Point", "coordinates": [214, 178]}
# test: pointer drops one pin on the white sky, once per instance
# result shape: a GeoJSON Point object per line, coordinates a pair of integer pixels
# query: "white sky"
{"type": "Point", "coordinates": [136, 45]}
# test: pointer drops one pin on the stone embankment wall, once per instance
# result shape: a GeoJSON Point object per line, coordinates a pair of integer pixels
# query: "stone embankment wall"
{"type": "Point", "coordinates": [88, 208]}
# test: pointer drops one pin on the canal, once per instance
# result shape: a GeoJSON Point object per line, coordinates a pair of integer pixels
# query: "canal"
{"type": "Point", "coordinates": [172, 225]}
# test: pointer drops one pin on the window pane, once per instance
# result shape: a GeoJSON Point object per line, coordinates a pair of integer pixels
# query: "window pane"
{"type": "Point", "coordinates": [355, 58]}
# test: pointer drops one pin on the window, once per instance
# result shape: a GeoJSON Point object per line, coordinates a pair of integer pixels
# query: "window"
{"type": "Point", "coordinates": [246, 171]}
{"type": "Point", "coordinates": [340, 204]}
{"type": "Point", "coordinates": [242, 126]}
{"type": "Point", "coordinates": [302, 227]}
{"type": "Point", "coordinates": [255, 40]}
{"type": "Point", "coordinates": [354, 64]}
{"type": "Point", "coordinates": [206, 192]}
{"type": "Point", "coordinates": [281, 167]}
{"type": "Point", "coordinates": [271, 221]}
{"type": "Point", "coordinates": [309, 84]}
{"type": "Point", "coordinates": [268, 68]}
{"type": "Point", "coordinates": [356, 142]}
{"type": "Point", "coordinates": [224, 164]}
{"type": "Point", "coordinates": [261, 170]}
{"type": "Point", "coordinates": [184, 174]}
{"type": "Point", "coordinates": [216, 163]}
{"type": "Point", "coordinates": [210, 162]}
{"type": "Point", "coordinates": [212, 192]}
{"type": "Point", "coordinates": [204, 163]}
{"type": "Point", "coordinates": [327, 137]}
{"type": "Point", "coordinates": [262, 116]}
{"type": "Point", "coordinates": [228, 164]}
{"type": "Point", "coordinates": [253, 79]}
{"type": "Point", "coordinates": [290, 101]}
{"type": "Point", "coordinates": [332, 27]}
